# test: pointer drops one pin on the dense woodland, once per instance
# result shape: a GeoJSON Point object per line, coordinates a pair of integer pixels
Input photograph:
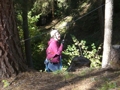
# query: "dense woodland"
{"type": "Point", "coordinates": [25, 27]}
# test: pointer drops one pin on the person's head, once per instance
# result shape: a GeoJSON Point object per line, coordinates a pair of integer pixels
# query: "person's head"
{"type": "Point", "coordinates": [55, 34]}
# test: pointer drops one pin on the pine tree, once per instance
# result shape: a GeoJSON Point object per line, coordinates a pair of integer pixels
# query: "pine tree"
{"type": "Point", "coordinates": [11, 58]}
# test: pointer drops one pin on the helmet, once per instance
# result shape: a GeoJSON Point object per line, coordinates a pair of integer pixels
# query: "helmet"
{"type": "Point", "coordinates": [52, 33]}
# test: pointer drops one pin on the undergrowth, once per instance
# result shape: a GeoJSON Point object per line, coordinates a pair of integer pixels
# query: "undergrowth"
{"type": "Point", "coordinates": [79, 48]}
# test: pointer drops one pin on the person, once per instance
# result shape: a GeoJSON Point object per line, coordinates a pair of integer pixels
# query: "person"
{"type": "Point", "coordinates": [54, 50]}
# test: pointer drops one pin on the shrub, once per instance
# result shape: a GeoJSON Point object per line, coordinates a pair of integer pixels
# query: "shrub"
{"type": "Point", "coordinates": [90, 52]}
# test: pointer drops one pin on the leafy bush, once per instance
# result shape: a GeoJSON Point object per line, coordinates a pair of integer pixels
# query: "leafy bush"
{"type": "Point", "coordinates": [90, 52]}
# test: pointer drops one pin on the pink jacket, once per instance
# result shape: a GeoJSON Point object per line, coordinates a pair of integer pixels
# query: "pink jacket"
{"type": "Point", "coordinates": [54, 50]}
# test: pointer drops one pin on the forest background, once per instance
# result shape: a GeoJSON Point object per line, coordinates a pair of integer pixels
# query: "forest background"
{"type": "Point", "coordinates": [81, 23]}
{"type": "Point", "coordinates": [84, 26]}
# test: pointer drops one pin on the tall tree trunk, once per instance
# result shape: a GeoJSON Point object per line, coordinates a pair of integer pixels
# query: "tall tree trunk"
{"type": "Point", "coordinates": [107, 32]}
{"type": "Point", "coordinates": [26, 33]}
{"type": "Point", "coordinates": [11, 58]}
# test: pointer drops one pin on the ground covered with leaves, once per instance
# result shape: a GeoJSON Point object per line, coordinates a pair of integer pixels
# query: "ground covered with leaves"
{"type": "Point", "coordinates": [85, 79]}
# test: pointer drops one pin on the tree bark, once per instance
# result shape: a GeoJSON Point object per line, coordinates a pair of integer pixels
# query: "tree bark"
{"type": "Point", "coordinates": [107, 33]}
{"type": "Point", "coordinates": [11, 57]}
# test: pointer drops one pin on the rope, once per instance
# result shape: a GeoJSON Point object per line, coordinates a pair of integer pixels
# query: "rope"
{"type": "Point", "coordinates": [29, 38]}
{"type": "Point", "coordinates": [74, 20]}
{"type": "Point", "coordinates": [32, 37]}
{"type": "Point", "coordinates": [89, 12]}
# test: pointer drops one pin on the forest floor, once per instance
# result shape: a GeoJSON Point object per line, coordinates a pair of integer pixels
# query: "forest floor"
{"type": "Point", "coordinates": [84, 79]}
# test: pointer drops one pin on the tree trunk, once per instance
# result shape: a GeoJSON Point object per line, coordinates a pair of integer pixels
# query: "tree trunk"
{"type": "Point", "coordinates": [26, 34]}
{"type": "Point", "coordinates": [108, 32]}
{"type": "Point", "coordinates": [11, 58]}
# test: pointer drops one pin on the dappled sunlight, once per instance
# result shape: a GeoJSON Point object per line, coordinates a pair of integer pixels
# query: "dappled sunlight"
{"type": "Point", "coordinates": [85, 7]}
{"type": "Point", "coordinates": [55, 21]}
{"type": "Point", "coordinates": [85, 84]}
{"type": "Point", "coordinates": [64, 23]}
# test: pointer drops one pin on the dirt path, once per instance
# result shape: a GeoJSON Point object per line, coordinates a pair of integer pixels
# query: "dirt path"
{"type": "Point", "coordinates": [80, 80]}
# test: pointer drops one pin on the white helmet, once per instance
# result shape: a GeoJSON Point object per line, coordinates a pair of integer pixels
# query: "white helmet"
{"type": "Point", "coordinates": [52, 33]}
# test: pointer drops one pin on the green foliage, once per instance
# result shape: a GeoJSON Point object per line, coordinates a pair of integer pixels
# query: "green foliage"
{"type": "Point", "coordinates": [5, 83]}
{"type": "Point", "coordinates": [38, 41]}
{"type": "Point", "coordinates": [62, 4]}
{"type": "Point", "coordinates": [71, 52]}
{"type": "Point", "coordinates": [89, 52]}
{"type": "Point", "coordinates": [62, 7]}
{"type": "Point", "coordinates": [36, 37]}
{"type": "Point", "coordinates": [108, 86]}
{"type": "Point", "coordinates": [33, 29]}
{"type": "Point", "coordinates": [42, 6]}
